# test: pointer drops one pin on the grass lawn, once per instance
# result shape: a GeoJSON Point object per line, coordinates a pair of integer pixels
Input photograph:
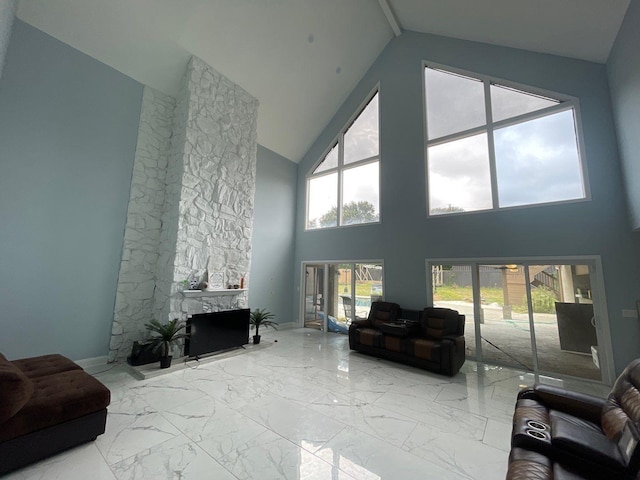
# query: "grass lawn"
{"type": "Point", "coordinates": [465, 294]}
{"type": "Point", "coordinates": [363, 289]}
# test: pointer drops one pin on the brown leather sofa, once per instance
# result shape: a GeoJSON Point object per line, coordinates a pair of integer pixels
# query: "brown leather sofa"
{"type": "Point", "coordinates": [595, 437]}
{"type": "Point", "coordinates": [47, 404]}
{"type": "Point", "coordinates": [435, 341]}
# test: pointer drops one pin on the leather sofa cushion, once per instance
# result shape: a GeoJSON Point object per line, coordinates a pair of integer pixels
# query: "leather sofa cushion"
{"type": "Point", "coordinates": [369, 337]}
{"type": "Point", "coordinates": [394, 343]}
{"type": "Point", "coordinates": [588, 444]}
{"type": "Point", "coordinates": [380, 318]}
{"type": "Point", "coordinates": [56, 399]}
{"type": "Point", "coordinates": [623, 403]}
{"type": "Point", "coordinates": [44, 365]}
{"type": "Point", "coordinates": [439, 322]}
{"type": "Point", "coordinates": [15, 389]}
{"type": "Point", "coordinates": [426, 349]}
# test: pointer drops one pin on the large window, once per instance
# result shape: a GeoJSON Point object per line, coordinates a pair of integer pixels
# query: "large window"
{"type": "Point", "coordinates": [492, 146]}
{"type": "Point", "coordinates": [344, 187]}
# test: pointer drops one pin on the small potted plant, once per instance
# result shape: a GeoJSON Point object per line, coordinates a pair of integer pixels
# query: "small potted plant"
{"type": "Point", "coordinates": [168, 334]}
{"type": "Point", "coordinates": [261, 317]}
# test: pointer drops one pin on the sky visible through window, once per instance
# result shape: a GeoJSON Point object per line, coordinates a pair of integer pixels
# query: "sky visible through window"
{"type": "Point", "coordinates": [536, 158]}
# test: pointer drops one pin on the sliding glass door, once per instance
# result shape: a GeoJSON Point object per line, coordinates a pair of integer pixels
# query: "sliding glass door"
{"type": "Point", "coordinates": [336, 293]}
{"type": "Point", "coordinates": [533, 315]}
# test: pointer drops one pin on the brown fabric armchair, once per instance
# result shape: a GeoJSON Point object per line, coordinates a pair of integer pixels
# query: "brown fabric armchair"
{"type": "Point", "coordinates": [435, 341]}
{"type": "Point", "coordinates": [597, 438]}
{"type": "Point", "coordinates": [47, 404]}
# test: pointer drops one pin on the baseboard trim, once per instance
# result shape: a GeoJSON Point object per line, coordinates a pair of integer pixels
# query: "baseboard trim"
{"type": "Point", "coordinates": [92, 362]}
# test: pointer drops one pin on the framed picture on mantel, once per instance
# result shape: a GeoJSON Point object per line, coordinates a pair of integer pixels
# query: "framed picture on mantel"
{"type": "Point", "coordinates": [216, 281]}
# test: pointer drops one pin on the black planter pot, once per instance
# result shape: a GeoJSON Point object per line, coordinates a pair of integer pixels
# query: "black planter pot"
{"type": "Point", "coordinates": [165, 362]}
{"type": "Point", "coordinates": [256, 339]}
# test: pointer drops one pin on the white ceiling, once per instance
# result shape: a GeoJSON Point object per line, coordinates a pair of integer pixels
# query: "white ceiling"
{"type": "Point", "coordinates": [301, 58]}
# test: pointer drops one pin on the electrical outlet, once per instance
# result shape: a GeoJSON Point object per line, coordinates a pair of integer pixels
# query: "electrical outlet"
{"type": "Point", "coordinates": [630, 313]}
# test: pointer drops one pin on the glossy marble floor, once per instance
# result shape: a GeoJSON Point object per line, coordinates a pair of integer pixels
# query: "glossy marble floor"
{"type": "Point", "coordinates": [304, 408]}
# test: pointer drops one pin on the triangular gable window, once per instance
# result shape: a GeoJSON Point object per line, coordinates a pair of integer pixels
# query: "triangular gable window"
{"type": "Point", "coordinates": [509, 102]}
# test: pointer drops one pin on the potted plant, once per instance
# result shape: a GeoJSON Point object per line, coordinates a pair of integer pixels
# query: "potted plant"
{"type": "Point", "coordinates": [261, 317]}
{"type": "Point", "coordinates": [168, 334]}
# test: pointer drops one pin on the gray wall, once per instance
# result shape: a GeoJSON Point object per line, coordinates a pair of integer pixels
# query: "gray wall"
{"type": "Point", "coordinates": [273, 235]}
{"type": "Point", "coordinates": [7, 15]}
{"type": "Point", "coordinates": [68, 127]}
{"type": "Point", "coordinates": [624, 79]}
{"type": "Point", "coordinates": [406, 236]}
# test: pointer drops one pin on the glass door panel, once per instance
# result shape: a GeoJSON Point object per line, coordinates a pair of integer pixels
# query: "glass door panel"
{"type": "Point", "coordinates": [368, 288]}
{"type": "Point", "coordinates": [314, 297]}
{"type": "Point", "coordinates": [453, 288]}
{"type": "Point", "coordinates": [564, 322]}
{"type": "Point", "coordinates": [504, 322]}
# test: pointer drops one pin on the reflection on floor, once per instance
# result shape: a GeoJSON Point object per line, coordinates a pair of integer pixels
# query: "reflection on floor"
{"type": "Point", "coordinates": [305, 407]}
{"type": "Point", "coordinates": [508, 342]}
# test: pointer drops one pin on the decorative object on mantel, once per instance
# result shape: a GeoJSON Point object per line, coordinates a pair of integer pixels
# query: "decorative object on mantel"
{"type": "Point", "coordinates": [216, 280]}
{"type": "Point", "coordinates": [261, 317]}
{"type": "Point", "coordinates": [168, 335]}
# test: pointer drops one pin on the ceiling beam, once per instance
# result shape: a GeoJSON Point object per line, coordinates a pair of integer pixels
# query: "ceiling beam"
{"type": "Point", "coordinates": [391, 18]}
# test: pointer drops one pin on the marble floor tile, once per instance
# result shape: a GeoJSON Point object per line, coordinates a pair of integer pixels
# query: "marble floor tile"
{"type": "Point", "coordinates": [127, 435]}
{"type": "Point", "coordinates": [177, 458]}
{"type": "Point", "coordinates": [306, 407]}
{"type": "Point", "coordinates": [467, 458]}
{"type": "Point", "coordinates": [78, 463]}
{"type": "Point", "coordinates": [271, 457]}
{"type": "Point", "coordinates": [365, 457]}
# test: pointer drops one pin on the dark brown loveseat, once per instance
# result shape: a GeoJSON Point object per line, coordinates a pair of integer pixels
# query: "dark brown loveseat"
{"type": "Point", "coordinates": [434, 341]}
{"type": "Point", "coordinates": [47, 404]}
{"type": "Point", "coordinates": [596, 438]}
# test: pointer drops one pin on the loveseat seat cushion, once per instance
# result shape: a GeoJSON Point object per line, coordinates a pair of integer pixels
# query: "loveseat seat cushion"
{"type": "Point", "coordinates": [56, 399]}
{"type": "Point", "coordinates": [45, 365]}
{"type": "Point", "coordinates": [15, 389]}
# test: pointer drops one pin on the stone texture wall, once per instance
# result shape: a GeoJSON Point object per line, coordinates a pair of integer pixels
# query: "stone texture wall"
{"type": "Point", "coordinates": [218, 187]}
{"type": "Point", "coordinates": [137, 278]}
{"type": "Point", "coordinates": [191, 206]}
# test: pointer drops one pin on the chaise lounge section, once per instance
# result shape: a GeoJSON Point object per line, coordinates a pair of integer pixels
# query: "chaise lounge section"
{"type": "Point", "coordinates": [47, 404]}
{"type": "Point", "coordinates": [432, 339]}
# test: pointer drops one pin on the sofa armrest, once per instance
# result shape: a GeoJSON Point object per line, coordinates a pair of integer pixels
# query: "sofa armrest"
{"type": "Point", "coordinates": [453, 354]}
{"type": "Point", "coordinates": [361, 323]}
{"type": "Point", "coordinates": [582, 405]}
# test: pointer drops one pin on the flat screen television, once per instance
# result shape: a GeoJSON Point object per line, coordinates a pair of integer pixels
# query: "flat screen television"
{"type": "Point", "coordinates": [216, 331]}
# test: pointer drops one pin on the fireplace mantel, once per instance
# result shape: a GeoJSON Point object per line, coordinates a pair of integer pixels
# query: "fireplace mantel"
{"type": "Point", "coordinates": [213, 293]}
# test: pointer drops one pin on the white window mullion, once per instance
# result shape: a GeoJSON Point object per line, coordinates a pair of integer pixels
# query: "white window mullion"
{"type": "Point", "coordinates": [491, 145]}
{"type": "Point", "coordinates": [340, 173]}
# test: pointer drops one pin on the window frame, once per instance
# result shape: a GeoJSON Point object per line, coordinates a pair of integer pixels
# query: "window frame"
{"type": "Point", "coordinates": [566, 103]}
{"type": "Point", "coordinates": [341, 167]}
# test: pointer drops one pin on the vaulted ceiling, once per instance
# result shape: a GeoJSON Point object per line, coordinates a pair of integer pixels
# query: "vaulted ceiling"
{"type": "Point", "coordinates": [301, 58]}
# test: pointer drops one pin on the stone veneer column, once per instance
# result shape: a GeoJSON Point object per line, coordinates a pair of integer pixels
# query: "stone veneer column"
{"type": "Point", "coordinates": [217, 187]}
{"type": "Point", "coordinates": [191, 203]}
{"type": "Point", "coordinates": [137, 277]}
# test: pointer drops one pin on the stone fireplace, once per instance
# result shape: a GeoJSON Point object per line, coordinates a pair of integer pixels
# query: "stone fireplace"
{"type": "Point", "coordinates": [191, 203]}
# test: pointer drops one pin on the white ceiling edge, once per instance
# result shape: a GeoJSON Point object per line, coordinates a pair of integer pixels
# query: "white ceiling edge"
{"type": "Point", "coordinates": [580, 29]}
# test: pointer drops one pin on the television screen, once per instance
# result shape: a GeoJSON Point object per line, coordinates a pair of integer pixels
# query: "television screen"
{"type": "Point", "coordinates": [216, 331]}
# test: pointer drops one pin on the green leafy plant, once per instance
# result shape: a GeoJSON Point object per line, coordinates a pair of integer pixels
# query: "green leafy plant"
{"type": "Point", "coordinates": [167, 334]}
{"type": "Point", "coordinates": [262, 317]}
